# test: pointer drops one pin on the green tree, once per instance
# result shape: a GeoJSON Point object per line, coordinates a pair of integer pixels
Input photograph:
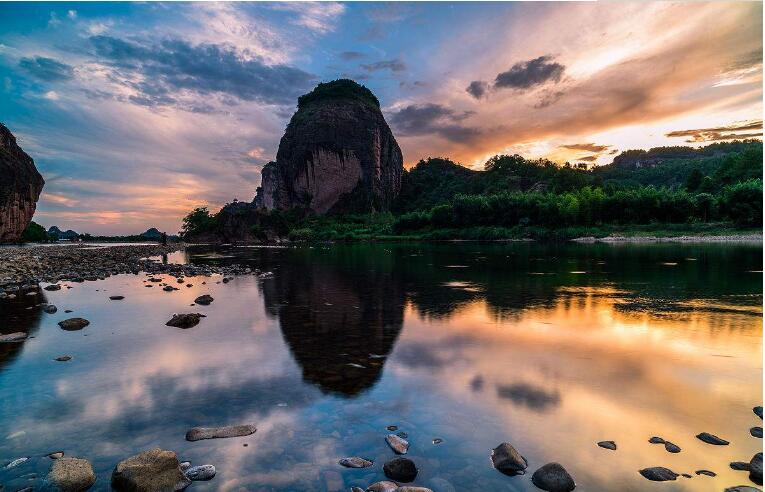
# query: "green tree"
{"type": "Point", "coordinates": [693, 181]}
{"type": "Point", "coordinates": [34, 233]}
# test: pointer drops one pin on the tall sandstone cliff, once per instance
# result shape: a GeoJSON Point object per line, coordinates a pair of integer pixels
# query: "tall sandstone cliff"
{"type": "Point", "coordinates": [20, 187]}
{"type": "Point", "coordinates": [338, 155]}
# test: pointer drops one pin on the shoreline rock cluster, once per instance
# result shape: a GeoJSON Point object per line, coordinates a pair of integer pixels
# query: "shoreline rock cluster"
{"type": "Point", "coordinates": [22, 268]}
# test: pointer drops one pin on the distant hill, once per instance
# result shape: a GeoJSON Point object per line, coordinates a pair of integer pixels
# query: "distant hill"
{"type": "Point", "coordinates": [152, 233]}
{"type": "Point", "coordinates": [55, 234]}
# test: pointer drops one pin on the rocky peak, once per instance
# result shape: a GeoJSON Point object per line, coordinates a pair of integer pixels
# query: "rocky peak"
{"type": "Point", "coordinates": [20, 187]}
{"type": "Point", "coordinates": [338, 155]}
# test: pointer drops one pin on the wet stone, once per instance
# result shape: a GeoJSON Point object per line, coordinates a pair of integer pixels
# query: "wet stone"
{"type": "Point", "coordinates": [199, 433]}
{"type": "Point", "coordinates": [708, 473]}
{"type": "Point", "coordinates": [155, 469]}
{"type": "Point", "coordinates": [656, 440]}
{"type": "Point", "coordinates": [608, 445]}
{"type": "Point", "coordinates": [755, 469]}
{"type": "Point", "coordinates": [742, 488]}
{"type": "Point", "coordinates": [188, 320]}
{"type": "Point", "coordinates": [18, 336]}
{"type": "Point", "coordinates": [50, 309]}
{"type": "Point", "coordinates": [52, 287]}
{"type": "Point", "coordinates": [204, 300]}
{"type": "Point", "coordinates": [671, 447]}
{"type": "Point", "coordinates": [355, 462]}
{"type": "Point", "coordinates": [71, 474]}
{"type": "Point", "coordinates": [552, 477]}
{"type": "Point", "coordinates": [658, 474]}
{"type": "Point", "coordinates": [116, 298]}
{"type": "Point", "coordinates": [400, 469]}
{"type": "Point", "coordinates": [56, 455]}
{"type": "Point", "coordinates": [397, 444]}
{"type": "Point", "coordinates": [757, 411]}
{"type": "Point", "coordinates": [200, 473]}
{"type": "Point", "coordinates": [756, 432]}
{"type": "Point", "coordinates": [712, 439]}
{"type": "Point", "coordinates": [739, 465]}
{"type": "Point", "coordinates": [382, 486]}
{"type": "Point", "coordinates": [508, 460]}
{"type": "Point", "coordinates": [63, 358]}
{"type": "Point", "coordinates": [73, 324]}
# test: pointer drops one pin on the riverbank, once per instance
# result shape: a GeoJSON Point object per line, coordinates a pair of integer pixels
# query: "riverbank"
{"type": "Point", "coordinates": [23, 267]}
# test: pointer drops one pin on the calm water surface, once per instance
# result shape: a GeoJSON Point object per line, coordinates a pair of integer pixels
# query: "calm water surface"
{"type": "Point", "coordinates": [551, 348]}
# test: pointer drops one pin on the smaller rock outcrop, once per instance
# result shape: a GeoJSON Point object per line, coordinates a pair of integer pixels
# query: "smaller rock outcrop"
{"type": "Point", "coordinates": [20, 187]}
{"type": "Point", "coordinates": [71, 474]}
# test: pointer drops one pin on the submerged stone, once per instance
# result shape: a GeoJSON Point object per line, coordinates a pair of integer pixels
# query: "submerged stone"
{"type": "Point", "coordinates": [382, 486]}
{"type": "Point", "coordinates": [355, 462]}
{"type": "Point", "coordinates": [50, 309]}
{"type": "Point", "coordinates": [552, 477]}
{"type": "Point", "coordinates": [18, 336]}
{"type": "Point", "coordinates": [508, 460]}
{"type": "Point", "coordinates": [199, 433]}
{"type": "Point", "coordinates": [659, 474]}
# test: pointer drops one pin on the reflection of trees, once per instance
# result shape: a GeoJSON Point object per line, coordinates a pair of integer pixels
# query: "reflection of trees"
{"type": "Point", "coordinates": [16, 315]}
{"type": "Point", "coordinates": [339, 314]}
{"type": "Point", "coordinates": [339, 304]}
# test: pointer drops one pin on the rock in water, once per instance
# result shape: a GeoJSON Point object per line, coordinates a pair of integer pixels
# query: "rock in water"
{"type": "Point", "coordinates": [199, 433]}
{"type": "Point", "coordinates": [50, 309]}
{"type": "Point", "coordinates": [383, 486]}
{"type": "Point", "coordinates": [506, 459]}
{"type": "Point", "coordinates": [739, 465]}
{"type": "Point", "coordinates": [756, 432]}
{"type": "Point", "coordinates": [156, 469]}
{"type": "Point", "coordinates": [20, 187]}
{"type": "Point", "coordinates": [552, 477]}
{"type": "Point", "coordinates": [397, 444]}
{"type": "Point", "coordinates": [757, 411]}
{"type": "Point", "coordinates": [116, 298]}
{"type": "Point", "coordinates": [18, 336]}
{"type": "Point", "coordinates": [755, 469]}
{"type": "Point", "coordinates": [671, 447]}
{"type": "Point", "coordinates": [73, 324]}
{"type": "Point", "coordinates": [712, 439]}
{"type": "Point", "coordinates": [412, 488]}
{"type": "Point", "coordinates": [706, 472]}
{"type": "Point", "coordinates": [400, 470]}
{"type": "Point", "coordinates": [71, 474]}
{"type": "Point", "coordinates": [188, 320]}
{"type": "Point", "coordinates": [608, 445]}
{"type": "Point", "coordinates": [200, 473]}
{"type": "Point", "coordinates": [338, 155]}
{"type": "Point", "coordinates": [659, 474]}
{"type": "Point", "coordinates": [204, 300]}
{"type": "Point", "coordinates": [355, 462]}
{"type": "Point", "coordinates": [742, 488]}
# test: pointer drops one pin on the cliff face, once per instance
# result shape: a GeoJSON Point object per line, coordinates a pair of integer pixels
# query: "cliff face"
{"type": "Point", "coordinates": [20, 187]}
{"type": "Point", "coordinates": [338, 155]}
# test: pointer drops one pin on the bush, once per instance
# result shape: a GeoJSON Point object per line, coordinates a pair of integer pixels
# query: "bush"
{"type": "Point", "coordinates": [34, 233]}
{"type": "Point", "coordinates": [198, 221]}
{"type": "Point", "coordinates": [742, 202]}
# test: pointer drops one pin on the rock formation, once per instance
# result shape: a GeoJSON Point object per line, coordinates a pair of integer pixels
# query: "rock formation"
{"type": "Point", "coordinates": [20, 187]}
{"type": "Point", "coordinates": [338, 155]}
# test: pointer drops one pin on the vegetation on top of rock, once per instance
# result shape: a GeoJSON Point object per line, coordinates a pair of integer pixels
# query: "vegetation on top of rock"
{"type": "Point", "coordinates": [339, 89]}
{"type": "Point", "coordinates": [34, 233]}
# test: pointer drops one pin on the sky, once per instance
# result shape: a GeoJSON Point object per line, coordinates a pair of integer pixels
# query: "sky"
{"type": "Point", "coordinates": [135, 113]}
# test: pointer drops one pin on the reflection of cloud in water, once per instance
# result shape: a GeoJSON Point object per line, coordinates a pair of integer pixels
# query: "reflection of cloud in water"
{"type": "Point", "coordinates": [529, 396]}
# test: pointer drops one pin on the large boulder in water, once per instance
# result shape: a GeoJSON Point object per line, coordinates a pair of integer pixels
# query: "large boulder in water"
{"type": "Point", "coordinates": [20, 187]}
{"type": "Point", "coordinates": [338, 155]}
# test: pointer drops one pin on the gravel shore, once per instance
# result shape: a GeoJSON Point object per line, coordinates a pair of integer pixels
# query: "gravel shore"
{"type": "Point", "coordinates": [22, 268]}
{"type": "Point", "coordinates": [671, 239]}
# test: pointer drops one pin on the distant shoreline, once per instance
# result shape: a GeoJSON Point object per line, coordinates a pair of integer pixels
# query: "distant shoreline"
{"type": "Point", "coordinates": [738, 238]}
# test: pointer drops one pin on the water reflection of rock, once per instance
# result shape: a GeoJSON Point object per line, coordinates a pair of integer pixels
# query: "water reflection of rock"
{"type": "Point", "coordinates": [23, 313]}
{"type": "Point", "coordinates": [340, 317]}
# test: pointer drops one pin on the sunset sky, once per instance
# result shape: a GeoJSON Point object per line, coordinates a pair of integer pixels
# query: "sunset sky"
{"type": "Point", "coordinates": [136, 113]}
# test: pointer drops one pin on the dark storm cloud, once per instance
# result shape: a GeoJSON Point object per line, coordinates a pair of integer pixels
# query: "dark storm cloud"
{"type": "Point", "coordinates": [523, 76]}
{"type": "Point", "coordinates": [424, 119]}
{"type": "Point", "coordinates": [395, 65]}
{"type": "Point", "coordinates": [477, 88]}
{"type": "Point", "coordinates": [351, 55]}
{"type": "Point", "coordinates": [47, 69]}
{"type": "Point", "coordinates": [175, 65]}
{"type": "Point", "coordinates": [527, 74]}
{"type": "Point", "coordinates": [588, 147]}
{"type": "Point", "coordinates": [721, 132]}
